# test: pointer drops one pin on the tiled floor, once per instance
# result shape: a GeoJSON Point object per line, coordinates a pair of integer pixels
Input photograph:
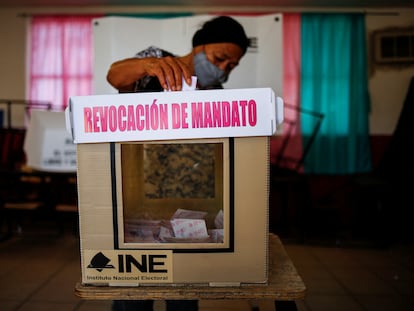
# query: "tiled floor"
{"type": "Point", "coordinates": [38, 271]}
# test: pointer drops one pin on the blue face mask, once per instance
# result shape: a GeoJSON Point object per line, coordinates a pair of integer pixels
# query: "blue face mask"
{"type": "Point", "coordinates": [207, 73]}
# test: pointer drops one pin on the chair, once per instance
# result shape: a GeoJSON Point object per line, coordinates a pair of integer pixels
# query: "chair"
{"type": "Point", "coordinates": [22, 193]}
{"type": "Point", "coordinates": [18, 192]}
{"type": "Point", "coordinates": [289, 188]}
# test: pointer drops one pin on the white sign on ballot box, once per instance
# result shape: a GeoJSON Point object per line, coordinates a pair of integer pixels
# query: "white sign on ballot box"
{"type": "Point", "coordinates": [174, 115]}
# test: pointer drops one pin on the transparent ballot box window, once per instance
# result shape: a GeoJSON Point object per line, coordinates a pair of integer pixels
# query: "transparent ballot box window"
{"type": "Point", "coordinates": [175, 194]}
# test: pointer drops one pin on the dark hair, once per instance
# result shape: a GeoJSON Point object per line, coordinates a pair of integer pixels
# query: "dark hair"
{"type": "Point", "coordinates": [222, 29]}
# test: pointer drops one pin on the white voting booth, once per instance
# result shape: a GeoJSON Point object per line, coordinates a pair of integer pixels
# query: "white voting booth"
{"type": "Point", "coordinates": [48, 145]}
{"type": "Point", "coordinates": [122, 37]}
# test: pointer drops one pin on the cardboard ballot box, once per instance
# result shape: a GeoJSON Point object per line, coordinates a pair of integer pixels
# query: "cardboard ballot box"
{"type": "Point", "coordinates": [173, 187]}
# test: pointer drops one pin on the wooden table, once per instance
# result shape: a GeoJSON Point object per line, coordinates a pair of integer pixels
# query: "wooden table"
{"type": "Point", "coordinates": [284, 286]}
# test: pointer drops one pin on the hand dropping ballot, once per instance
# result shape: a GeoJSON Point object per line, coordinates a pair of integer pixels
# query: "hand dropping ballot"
{"type": "Point", "coordinates": [185, 86]}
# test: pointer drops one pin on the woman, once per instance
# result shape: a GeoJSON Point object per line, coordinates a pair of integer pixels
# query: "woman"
{"type": "Point", "coordinates": [217, 49]}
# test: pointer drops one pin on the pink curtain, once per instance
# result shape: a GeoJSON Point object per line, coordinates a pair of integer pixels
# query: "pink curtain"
{"type": "Point", "coordinates": [286, 149]}
{"type": "Point", "coordinates": [61, 58]}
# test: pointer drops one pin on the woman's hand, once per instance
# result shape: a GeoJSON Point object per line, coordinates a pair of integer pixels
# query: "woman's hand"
{"type": "Point", "coordinates": [169, 70]}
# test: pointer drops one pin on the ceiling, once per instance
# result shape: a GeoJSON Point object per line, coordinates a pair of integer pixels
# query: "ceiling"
{"type": "Point", "coordinates": [283, 4]}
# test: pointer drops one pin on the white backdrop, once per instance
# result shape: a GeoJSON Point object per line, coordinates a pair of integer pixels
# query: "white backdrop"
{"type": "Point", "coordinates": [117, 38]}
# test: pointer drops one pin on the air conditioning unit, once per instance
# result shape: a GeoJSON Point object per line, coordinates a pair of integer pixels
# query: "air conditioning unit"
{"type": "Point", "coordinates": [393, 46]}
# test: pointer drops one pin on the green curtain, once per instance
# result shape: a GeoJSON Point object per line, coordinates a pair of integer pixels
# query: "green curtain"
{"type": "Point", "coordinates": [334, 82]}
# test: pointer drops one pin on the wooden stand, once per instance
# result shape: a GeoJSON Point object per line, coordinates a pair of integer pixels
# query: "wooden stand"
{"type": "Point", "coordinates": [284, 285]}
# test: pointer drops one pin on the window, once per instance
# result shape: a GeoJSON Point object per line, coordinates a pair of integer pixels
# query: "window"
{"type": "Point", "coordinates": [394, 46]}
{"type": "Point", "coordinates": [61, 58]}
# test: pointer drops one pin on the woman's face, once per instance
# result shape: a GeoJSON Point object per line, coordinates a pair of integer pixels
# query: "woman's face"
{"type": "Point", "coordinates": [225, 56]}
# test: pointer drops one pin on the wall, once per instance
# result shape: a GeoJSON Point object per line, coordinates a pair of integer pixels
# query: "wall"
{"type": "Point", "coordinates": [388, 87]}
{"type": "Point", "coordinates": [260, 67]}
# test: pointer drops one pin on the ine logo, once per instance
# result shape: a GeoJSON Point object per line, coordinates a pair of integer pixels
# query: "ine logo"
{"type": "Point", "coordinates": [100, 262]}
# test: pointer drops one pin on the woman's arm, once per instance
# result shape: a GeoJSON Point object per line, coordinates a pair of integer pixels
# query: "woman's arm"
{"type": "Point", "coordinates": [169, 70]}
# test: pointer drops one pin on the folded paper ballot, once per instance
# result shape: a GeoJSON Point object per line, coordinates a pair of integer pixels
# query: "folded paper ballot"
{"type": "Point", "coordinates": [218, 221]}
{"type": "Point", "coordinates": [191, 87]}
{"type": "Point", "coordinates": [165, 233]}
{"type": "Point", "coordinates": [189, 228]}
{"type": "Point", "coordinates": [185, 86]}
{"type": "Point", "coordinates": [185, 226]}
{"type": "Point", "coordinates": [188, 214]}
{"type": "Point", "coordinates": [216, 235]}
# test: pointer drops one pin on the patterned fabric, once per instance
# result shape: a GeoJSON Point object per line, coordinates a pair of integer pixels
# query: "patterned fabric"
{"type": "Point", "coordinates": [179, 171]}
{"type": "Point", "coordinates": [149, 83]}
